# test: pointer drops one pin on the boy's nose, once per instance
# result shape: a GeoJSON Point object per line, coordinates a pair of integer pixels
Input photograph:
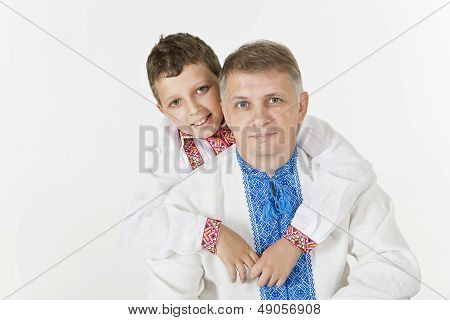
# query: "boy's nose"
{"type": "Point", "coordinates": [194, 108]}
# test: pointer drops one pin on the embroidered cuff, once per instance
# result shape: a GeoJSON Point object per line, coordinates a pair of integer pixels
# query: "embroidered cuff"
{"type": "Point", "coordinates": [299, 240]}
{"type": "Point", "coordinates": [211, 235]}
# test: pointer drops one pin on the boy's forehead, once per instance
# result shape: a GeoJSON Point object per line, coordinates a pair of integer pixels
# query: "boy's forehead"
{"type": "Point", "coordinates": [190, 76]}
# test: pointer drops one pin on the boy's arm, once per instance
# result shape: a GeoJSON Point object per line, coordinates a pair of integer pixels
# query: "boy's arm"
{"type": "Point", "coordinates": [341, 174]}
{"type": "Point", "coordinates": [155, 230]}
{"type": "Point", "coordinates": [150, 229]}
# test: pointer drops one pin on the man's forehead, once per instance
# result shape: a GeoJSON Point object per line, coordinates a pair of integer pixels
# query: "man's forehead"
{"type": "Point", "coordinates": [244, 84]}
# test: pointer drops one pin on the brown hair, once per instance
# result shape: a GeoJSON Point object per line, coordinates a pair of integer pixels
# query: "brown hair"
{"type": "Point", "coordinates": [261, 56]}
{"type": "Point", "coordinates": [173, 52]}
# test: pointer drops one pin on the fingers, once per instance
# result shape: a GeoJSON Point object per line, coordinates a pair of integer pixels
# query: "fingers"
{"type": "Point", "coordinates": [256, 270]}
{"type": "Point", "coordinates": [242, 271]}
{"type": "Point", "coordinates": [264, 278]}
{"type": "Point", "coordinates": [273, 280]}
{"type": "Point", "coordinates": [281, 281]}
{"type": "Point", "coordinates": [232, 272]}
{"type": "Point", "coordinates": [254, 256]}
{"type": "Point", "coordinates": [248, 261]}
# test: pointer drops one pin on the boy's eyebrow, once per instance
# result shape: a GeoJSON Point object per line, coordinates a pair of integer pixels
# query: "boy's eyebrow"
{"type": "Point", "coordinates": [198, 84]}
{"type": "Point", "coordinates": [202, 83]}
{"type": "Point", "coordinates": [170, 99]}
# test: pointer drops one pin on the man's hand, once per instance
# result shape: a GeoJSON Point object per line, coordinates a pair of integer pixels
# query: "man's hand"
{"type": "Point", "coordinates": [276, 263]}
{"type": "Point", "coordinates": [235, 253]}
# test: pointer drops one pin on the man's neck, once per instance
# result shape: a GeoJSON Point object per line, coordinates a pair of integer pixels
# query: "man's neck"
{"type": "Point", "coordinates": [267, 163]}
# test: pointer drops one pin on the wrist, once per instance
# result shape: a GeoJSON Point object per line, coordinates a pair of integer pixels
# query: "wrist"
{"type": "Point", "coordinates": [211, 235]}
{"type": "Point", "coordinates": [299, 239]}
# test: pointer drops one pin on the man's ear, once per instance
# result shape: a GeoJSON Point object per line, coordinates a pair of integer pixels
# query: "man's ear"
{"type": "Point", "coordinates": [304, 98]}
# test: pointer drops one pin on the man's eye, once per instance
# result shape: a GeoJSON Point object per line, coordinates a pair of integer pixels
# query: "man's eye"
{"type": "Point", "coordinates": [274, 100]}
{"type": "Point", "coordinates": [241, 104]}
{"type": "Point", "coordinates": [202, 89]}
{"type": "Point", "coordinates": [175, 103]}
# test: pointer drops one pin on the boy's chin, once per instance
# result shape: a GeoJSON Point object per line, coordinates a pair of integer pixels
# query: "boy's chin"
{"type": "Point", "coordinates": [205, 132]}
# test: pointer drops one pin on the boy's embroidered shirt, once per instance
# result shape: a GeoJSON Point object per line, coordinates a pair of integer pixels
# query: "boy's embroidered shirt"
{"type": "Point", "coordinates": [272, 203]}
{"type": "Point", "coordinates": [299, 240]}
{"type": "Point", "coordinates": [221, 194]}
{"type": "Point", "coordinates": [211, 235]}
{"type": "Point", "coordinates": [220, 141]}
{"type": "Point", "coordinates": [155, 231]}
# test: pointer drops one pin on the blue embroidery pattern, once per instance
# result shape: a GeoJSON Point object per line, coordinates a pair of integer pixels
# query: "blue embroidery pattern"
{"type": "Point", "coordinates": [272, 204]}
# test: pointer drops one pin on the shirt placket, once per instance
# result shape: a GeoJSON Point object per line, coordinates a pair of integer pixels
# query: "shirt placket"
{"type": "Point", "coordinates": [274, 193]}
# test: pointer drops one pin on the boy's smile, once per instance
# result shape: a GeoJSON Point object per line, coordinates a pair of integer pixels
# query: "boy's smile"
{"type": "Point", "coordinates": [192, 100]}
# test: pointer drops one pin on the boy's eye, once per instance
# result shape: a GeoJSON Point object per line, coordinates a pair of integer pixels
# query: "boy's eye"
{"type": "Point", "coordinates": [175, 103]}
{"type": "Point", "coordinates": [274, 100]}
{"type": "Point", "coordinates": [202, 89]}
{"type": "Point", "coordinates": [242, 104]}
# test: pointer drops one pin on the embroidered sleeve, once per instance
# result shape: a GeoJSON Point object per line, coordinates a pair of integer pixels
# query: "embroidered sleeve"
{"type": "Point", "coordinates": [299, 240]}
{"type": "Point", "coordinates": [211, 235]}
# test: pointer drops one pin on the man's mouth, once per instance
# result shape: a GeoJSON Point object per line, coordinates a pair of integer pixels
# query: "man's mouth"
{"type": "Point", "coordinates": [263, 136]}
{"type": "Point", "coordinates": [202, 121]}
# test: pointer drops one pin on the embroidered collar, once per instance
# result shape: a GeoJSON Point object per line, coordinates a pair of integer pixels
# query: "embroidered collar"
{"type": "Point", "coordinates": [218, 142]}
{"type": "Point", "coordinates": [183, 135]}
{"type": "Point", "coordinates": [278, 198]}
{"type": "Point", "coordinates": [287, 168]}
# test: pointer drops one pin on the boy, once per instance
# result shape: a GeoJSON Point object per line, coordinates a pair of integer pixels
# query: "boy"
{"type": "Point", "coordinates": [183, 74]}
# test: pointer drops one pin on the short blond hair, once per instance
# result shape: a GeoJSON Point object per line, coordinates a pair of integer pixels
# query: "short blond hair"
{"type": "Point", "coordinates": [261, 56]}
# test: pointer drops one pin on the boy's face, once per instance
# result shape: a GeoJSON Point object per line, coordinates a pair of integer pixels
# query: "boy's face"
{"type": "Point", "coordinates": [264, 112]}
{"type": "Point", "coordinates": [191, 100]}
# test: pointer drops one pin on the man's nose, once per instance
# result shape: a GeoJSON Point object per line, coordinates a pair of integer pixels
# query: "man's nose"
{"type": "Point", "coordinates": [261, 116]}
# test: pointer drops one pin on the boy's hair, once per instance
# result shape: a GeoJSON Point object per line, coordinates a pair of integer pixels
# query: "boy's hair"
{"type": "Point", "coordinates": [261, 56]}
{"type": "Point", "coordinates": [173, 52]}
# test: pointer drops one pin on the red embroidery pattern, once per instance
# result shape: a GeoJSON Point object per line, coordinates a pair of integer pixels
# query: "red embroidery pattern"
{"type": "Point", "coordinates": [299, 240]}
{"type": "Point", "coordinates": [211, 235]}
{"type": "Point", "coordinates": [194, 156]}
{"type": "Point", "coordinates": [220, 141]}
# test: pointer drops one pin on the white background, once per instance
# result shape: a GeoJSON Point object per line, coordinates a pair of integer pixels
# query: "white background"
{"type": "Point", "coordinates": [69, 132]}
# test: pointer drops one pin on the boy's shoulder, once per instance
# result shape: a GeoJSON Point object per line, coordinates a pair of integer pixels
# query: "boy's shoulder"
{"type": "Point", "coordinates": [209, 177]}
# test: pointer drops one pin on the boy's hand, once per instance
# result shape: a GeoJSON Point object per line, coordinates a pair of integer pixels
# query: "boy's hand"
{"type": "Point", "coordinates": [276, 263]}
{"type": "Point", "coordinates": [235, 253]}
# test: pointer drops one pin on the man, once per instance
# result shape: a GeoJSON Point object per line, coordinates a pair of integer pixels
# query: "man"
{"type": "Point", "coordinates": [256, 186]}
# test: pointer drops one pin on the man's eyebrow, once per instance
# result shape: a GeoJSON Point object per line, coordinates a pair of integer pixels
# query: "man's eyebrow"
{"type": "Point", "coordinates": [274, 94]}
{"type": "Point", "coordinates": [239, 97]}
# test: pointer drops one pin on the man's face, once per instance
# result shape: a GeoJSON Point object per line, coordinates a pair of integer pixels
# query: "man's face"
{"type": "Point", "coordinates": [191, 100]}
{"type": "Point", "coordinates": [264, 112]}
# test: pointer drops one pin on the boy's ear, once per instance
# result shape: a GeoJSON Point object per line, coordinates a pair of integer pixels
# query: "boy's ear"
{"type": "Point", "coordinates": [160, 108]}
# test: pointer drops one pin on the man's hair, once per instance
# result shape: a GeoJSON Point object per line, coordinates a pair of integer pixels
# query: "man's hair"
{"type": "Point", "coordinates": [173, 52]}
{"type": "Point", "coordinates": [261, 56]}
